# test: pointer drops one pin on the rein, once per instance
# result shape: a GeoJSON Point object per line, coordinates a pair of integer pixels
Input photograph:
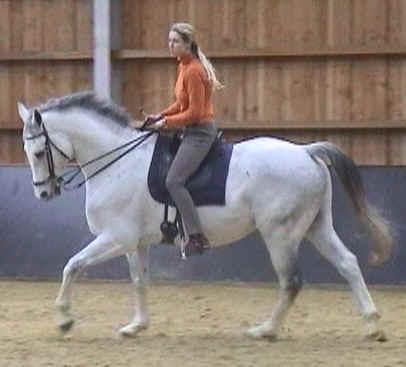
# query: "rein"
{"type": "Point", "coordinates": [60, 180]}
{"type": "Point", "coordinates": [137, 141]}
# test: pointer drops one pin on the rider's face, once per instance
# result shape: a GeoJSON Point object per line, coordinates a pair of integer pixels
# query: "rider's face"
{"type": "Point", "coordinates": [177, 46]}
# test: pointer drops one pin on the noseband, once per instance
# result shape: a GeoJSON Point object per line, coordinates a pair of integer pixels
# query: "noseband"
{"type": "Point", "coordinates": [50, 159]}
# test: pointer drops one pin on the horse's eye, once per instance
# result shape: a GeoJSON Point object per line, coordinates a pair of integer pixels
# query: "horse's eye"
{"type": "Point", "coordinates": [40, 154]}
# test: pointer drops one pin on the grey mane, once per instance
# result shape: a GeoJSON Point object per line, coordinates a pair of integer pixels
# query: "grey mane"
{"type": "Point", "coordinates": [90, 101]}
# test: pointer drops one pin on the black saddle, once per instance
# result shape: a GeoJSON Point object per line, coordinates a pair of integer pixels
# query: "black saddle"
{"type": "Point", "coordinates": [206, 186]}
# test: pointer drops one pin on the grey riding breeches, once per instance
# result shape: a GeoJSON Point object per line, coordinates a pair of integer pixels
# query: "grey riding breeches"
{"type": "Point", "coordinates": [196, 143]}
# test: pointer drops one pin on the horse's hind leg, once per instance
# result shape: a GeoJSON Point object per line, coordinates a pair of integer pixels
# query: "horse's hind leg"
{"type": "Point", "coordinates": [326, 240]}
{"type": "Point", "coordinates": [283, 251]}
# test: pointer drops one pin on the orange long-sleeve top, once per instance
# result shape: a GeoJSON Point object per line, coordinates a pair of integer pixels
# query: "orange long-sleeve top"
{"type": "Point", "coordinates": [193, 94]}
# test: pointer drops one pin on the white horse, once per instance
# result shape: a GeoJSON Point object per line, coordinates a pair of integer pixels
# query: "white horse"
{"type": "Point", "coordinates": [279, 188]}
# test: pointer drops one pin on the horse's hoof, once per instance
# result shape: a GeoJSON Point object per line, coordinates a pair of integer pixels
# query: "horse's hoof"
{"type": "Point", "coordinates": [66, 326]}
{"type": "Point", "coordinates": [261, 333]}
{"type": "Point", "coordinates": [131, 330]}
{"type": "Point", "coordinates": [378, 335]}
{"type": "Point", "coordinates": [271, 337]}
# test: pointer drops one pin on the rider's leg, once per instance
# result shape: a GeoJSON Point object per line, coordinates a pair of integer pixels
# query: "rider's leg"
{"type": "Point", "coordinates": [195, 145]}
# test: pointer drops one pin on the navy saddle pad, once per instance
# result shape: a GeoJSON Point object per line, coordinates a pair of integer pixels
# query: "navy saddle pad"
{"type": "Point", "coordinates": [207, 185]}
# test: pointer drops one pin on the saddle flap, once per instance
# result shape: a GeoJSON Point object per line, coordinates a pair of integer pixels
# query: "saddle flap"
{"type": "Point", "coordinates": [206, 185]}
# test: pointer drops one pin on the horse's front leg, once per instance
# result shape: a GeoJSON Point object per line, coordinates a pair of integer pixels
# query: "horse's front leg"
{"type": "Point", "coordinates": [138, 263]}
{"type": "Point", "coordinates": [100, 249]}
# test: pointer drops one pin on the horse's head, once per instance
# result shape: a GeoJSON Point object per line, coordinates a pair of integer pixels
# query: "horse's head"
{"type": "Point", "coordinates": [48, 152]}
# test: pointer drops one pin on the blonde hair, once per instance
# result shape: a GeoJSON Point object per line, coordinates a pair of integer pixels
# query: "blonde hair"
{"type": "Point", "coordinates": [186, 31]}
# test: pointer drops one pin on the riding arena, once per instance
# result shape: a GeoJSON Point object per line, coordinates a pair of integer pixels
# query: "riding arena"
{"type": "Point", "coordinates": [300, 196]}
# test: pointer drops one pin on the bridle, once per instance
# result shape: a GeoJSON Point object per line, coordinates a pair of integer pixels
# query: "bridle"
{"type": "Point", "coordinates": [59, 181]}
{"type": "Point", "coordinates": [52, 177]}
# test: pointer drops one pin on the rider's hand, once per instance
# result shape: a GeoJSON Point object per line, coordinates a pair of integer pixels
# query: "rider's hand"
{"type": "Point", "coordinates": [151, 119]}
{"type": "Point", "coordinates": [158, 125]}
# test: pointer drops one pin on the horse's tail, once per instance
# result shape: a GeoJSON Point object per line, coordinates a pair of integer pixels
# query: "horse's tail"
{"type": "Point", "coordinates": [350, 177]}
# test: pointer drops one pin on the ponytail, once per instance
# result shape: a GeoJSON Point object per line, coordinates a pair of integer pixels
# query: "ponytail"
{"type": "Point", "coordinates": [208, 66]}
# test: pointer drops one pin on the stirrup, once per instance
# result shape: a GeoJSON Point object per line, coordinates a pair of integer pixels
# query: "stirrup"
{"type": "Point", "coordinates": [170, 230]}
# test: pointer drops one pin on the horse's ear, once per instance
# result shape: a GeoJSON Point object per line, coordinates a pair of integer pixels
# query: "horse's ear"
{"type": "Point", "coordinates": [37, 117]}
{"type": "Point", "coordinates": [23, 111]}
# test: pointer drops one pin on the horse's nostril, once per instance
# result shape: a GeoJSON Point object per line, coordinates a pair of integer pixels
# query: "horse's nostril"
{"type": "Point", "coordinates": [44, 195]}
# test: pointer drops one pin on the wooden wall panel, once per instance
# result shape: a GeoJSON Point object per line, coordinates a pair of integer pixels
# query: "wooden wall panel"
{"type": "Point", "coordinates": [338, 90]}
{"type": "Point", "coordinates": [5, 36]}
{"type": "Point", "coordinates": [148, 86]}
{"type": "Point", "coordinates": [370, 28]}
{"type": "Point", "coordinates": [35, 82]}
{"type": "Point", "coordinates": [338, 22]}
{"type": "Point", "coordinates": [267, 90]}
{"type": "Point", "coordinates": [397, 110]}
{"type": "Point", "coordinates": [230, 101]}
{"type": "Point", "coordinates": [131, 21]}
{"type": "Point", "coordinates": [11, 147]}
{"type": "Point", "coordinates": [369, 81]}
{"type": "Point", "coordinates": [39, 26]}
{"type": "Point", "coordinates": [274, 24]}
{"type": "Point", "coordinates": [396, 89]}
{"type": "Point", "coordinates": [43, 25]}
{"type": "Point", "coordinates": [397, 148]}
{"type": "Point", "coordinates": [396, 22]}
{"type": "Point", "coordinates": [226, 34]}
{"type": "Point", "coordinates": [287, 91]}
{"type": "Point", "coordinates": [271, 94]}
{"type": "Point", "coordinates": [369, 147]}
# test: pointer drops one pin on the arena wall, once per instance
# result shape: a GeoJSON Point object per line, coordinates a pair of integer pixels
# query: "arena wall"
{"type": "Point", "coordinates": [38, 238]}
